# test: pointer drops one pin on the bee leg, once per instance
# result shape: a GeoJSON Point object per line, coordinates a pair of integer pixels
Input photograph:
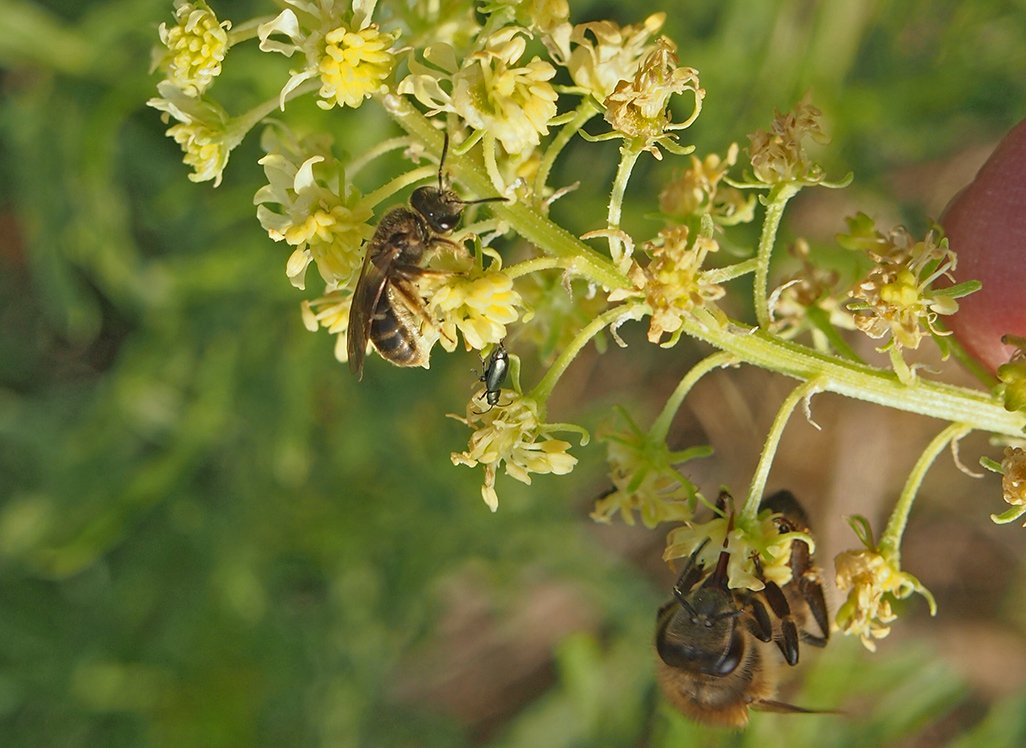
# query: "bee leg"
{"type": "Point", "coordinates": [762, 626]}
{"type": "Point", "coordinates": [812, 592]}
{"type": "Point", "coordinates": [788, 641]}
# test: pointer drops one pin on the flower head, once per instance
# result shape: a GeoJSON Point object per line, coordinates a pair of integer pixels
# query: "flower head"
{"type": "Point", "coordinates": [603, 53]}
{"type": "Point", "coordinates": [872, 580]}
{"type": "Point", "coordinates": [514, 435]}
{"type": "Point", "coordinates": [646, 480]}
{"type": "Point", "coordinates": [897, 299]}
{"type": "Point", "coordinates": [759, 552]}
{"type": "Point", "coordinates": [640, 108]}
{"type": "Point", "coordinates": [203, 131]}
{"type": "Point", "coordinates": [318, 214]}
{"type": "Point", "coordinates": [477, 302]}
{"type": "Point", "coordinates": [491, 91]}
{"type": "Point", "coordinates": [351, 56]}
{"type": "Point", "coordinates": [195, 47]}
{"type": "Point", "coordinates": [699, 190]}
{"type": "Point", "coordinates": [779, 155]}
{"type": "Point", "coordinates": [355, 65]}
{"type": "Point", "coordinates": [810, 287]}
{"type": "Point", "coordinates": [672, 283]}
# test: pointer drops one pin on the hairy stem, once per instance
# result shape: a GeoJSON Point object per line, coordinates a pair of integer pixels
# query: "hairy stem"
{"type": "Point", "coordinates": [769, 450]}
{"type": "Point", "coordinates": [890, 541]}
{"type": "Point", "coordinates": [775, 205]}
{"type": "Point", "coordinates": [661, 426]}
{"type": "Point", "coordinates": [543, 389]}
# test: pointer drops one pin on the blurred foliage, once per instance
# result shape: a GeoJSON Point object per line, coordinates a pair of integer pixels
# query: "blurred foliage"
{"type": "Point", "coordinates": [210, 535]}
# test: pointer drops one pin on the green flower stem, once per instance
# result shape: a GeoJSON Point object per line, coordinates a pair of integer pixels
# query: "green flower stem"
{"type": "Point", "coordinates": [976, 409]}
{"type": "Point", "coordinates": [585, 111]}
{"type": "Point", "coordinates": [730, 272]}
{"type": "Point", "coordinates": [775, 204]}
{"type": "Point", "coordinates": [661, 426]}
{"type": "Point", "coordinates": [550, 237]}
{"type": "Point", "coordinates": [391, 187]}
{"type": "Point", "coordinates": [629, 153]}
{"type": "Point", "coordinates": [620, 313]}
{"type": "Point", "coordinates": [534, 265]}
{"type": "Point", "coordinates": [750, 510]}
{"type": "Point", "coordinates": [380, 149]}
{"type": "Point", "coordinates": [890, 542]}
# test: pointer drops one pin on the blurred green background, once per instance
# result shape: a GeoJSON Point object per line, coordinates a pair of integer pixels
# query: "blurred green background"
{"type": "Point", "coordinates": [210, 535]}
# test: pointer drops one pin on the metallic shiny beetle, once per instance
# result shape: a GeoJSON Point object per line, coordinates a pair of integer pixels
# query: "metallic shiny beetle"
{"type": "Point", "coordinates": [495, 373]}
{"type": "Point", "coordinates": [386, 308]}
{"type": "Point", "coordinates": [720, 649]}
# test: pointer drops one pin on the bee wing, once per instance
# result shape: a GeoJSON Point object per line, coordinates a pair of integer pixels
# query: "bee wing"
{"type": "Point", "coordinates": [369, 288]}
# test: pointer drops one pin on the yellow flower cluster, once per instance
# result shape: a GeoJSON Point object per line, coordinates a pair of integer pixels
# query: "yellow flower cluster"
{"type": "Point", "coordinates": [196, 47]}
{"type": "Point", "coordinates": [640, 108]}
{"type": "Point", "coordinates": [872, 582]}
{"type": "Point", "coordinates": [759, 553]}
{"type": "Point", "coordinates": [491, 91]}
{"type": "Point", "coordinates": [698, 190]}
{"type": "Point", "coordinates": [515, 436]}
{"type": "Point", "coordinates": [355, 65]}
{"type": "Point", "coordinates": [604, 53]}
{"type": "Point", "coordinates": [646, 480]}
{"type": "Point", "coordinates": [479, 305]}
{"type": "Point", "coordinates": [778, 154]}
{"type": "Point", "coordinates": [672, 283]}
{"type": "Point", "coordinates": [896, 299]}
{"type": "Point", "coordinates": [201, 129]}
{"type": "Point", "coordinates": [324, 221]}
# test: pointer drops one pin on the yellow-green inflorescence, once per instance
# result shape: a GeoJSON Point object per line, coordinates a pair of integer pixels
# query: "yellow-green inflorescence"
{"type": "Point", "coordinates": [512, 83]}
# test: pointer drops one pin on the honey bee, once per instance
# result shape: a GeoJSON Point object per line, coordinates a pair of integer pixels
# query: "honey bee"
{"type": "Point", "coordinates": [386, 309]}
{"type": "Point", "coordinates": [720, 649]}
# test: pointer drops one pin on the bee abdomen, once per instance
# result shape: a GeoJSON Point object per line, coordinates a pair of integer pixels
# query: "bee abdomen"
{"type": "Point", "coordinates": [394, 337]}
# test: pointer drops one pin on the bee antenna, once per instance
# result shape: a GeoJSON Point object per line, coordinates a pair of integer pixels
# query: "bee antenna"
{"type": "Point", "coordinates": [441, 161]}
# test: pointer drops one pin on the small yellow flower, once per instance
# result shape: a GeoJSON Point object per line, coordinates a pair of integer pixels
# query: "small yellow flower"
{"type": "Point", "coordinates": [779, 155]}
{"type": "Point", "coordinates": [872, 581]}
{"type": "Point", "coordinates": [604, 53]}
{"type": "Point", "coordinates": [321, 218]}
{"type": "Point", "coordinates": [479, 304]}
{"type": "Point", "coordinates": [195, 47]}
{"type": "Point", "coordinates": [897, 298]}
{"type": "Point", "coordinates": [514, 435]}
{"type": "Point", "coordinates": [672, 283]}
{"type": "Point", "coordinates": [639, 108]}
{"type": "Point", "coordinates": [331, 312]}
{"type": "Point", "coordinates": [760, 546]}
{"type": "Point", "coordinates": [491, 91]}
{"type": "Point", "coordinates": [809, 287]}
{"type": "Point", "coordinates": [698, 190]}
{"type": "Point", "coordinates": [203, 131]}
{"type": "Point", "coordinates": [355, 65]}
{"type": "Point", "coordinates": [349, 54]}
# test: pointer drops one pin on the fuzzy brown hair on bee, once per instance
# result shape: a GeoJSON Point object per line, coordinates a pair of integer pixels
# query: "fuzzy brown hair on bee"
{"type": "Point", "coordinates": [721, 651]}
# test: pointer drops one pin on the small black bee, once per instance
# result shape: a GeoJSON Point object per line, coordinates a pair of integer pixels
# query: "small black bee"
{"type": "Point", "coordinates": [386, 308]}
